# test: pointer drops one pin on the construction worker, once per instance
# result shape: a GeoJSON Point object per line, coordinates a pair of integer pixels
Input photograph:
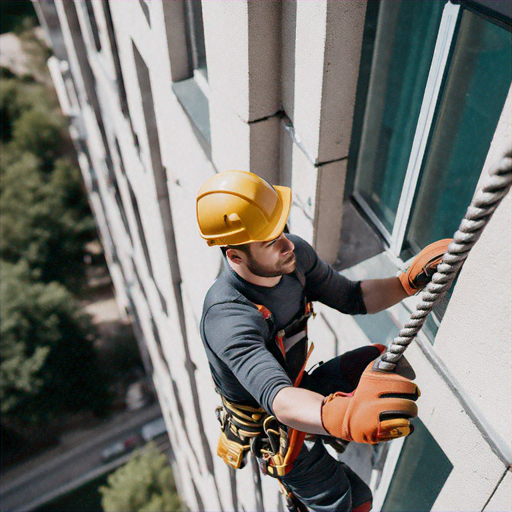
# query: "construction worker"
{"type": "Point", "coordinates": [254, 330]}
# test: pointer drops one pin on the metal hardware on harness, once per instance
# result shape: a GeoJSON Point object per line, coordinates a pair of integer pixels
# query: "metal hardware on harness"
{"type": "Point", "coordinates": [247, 428]}
{"type": "Point", "coordinates": [240, 426]}
{"type": "Point", "coordinates": [292, 502]}
{"type": "Point", "coordinates": [478, 214]}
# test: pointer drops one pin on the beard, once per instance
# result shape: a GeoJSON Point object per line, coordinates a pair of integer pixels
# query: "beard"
{"type": "Point", "coordinates": [285, 267]}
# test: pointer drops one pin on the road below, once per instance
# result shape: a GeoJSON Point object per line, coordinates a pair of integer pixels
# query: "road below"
{"type": "Point", "coordinates": [40, 479]}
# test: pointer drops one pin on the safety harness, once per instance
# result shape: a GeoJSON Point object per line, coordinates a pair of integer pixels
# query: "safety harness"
{"type": "Point", "coordinates": [245, 428]}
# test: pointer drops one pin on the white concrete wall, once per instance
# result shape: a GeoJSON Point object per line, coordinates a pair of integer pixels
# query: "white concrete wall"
{"type": "Point", "coordinates": [478, 350]}
{"type": "Point", "coordinates": [319, 86]}
{"type": "Point", "coordinates": [281, 90]}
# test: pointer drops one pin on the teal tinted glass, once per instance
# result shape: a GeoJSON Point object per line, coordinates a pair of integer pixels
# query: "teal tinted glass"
{"type": "Point", "coordinates": [404, 46]}
{"type": "Point", "coordinates": [420, 474]}
{"type": "Point", "coordinates": [475, 89]}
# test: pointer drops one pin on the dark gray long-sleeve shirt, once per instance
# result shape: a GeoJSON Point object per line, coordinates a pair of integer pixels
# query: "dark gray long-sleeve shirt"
{"type": "Point", "coordinates": [237, 338]}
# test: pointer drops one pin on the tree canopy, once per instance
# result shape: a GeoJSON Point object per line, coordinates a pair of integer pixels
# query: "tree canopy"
{"type": "Point", "coordinates": [14, 14]}
{"type": "Point", "coordinates": [45, 216]}
{"type": "Point", "coordinates": [48, 363]}
{"type": "Point", "coordinates": [38, 224]}
{"type": "Point", "coordinates": [144, 484]}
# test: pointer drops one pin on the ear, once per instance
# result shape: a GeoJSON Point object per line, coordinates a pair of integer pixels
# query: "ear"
{"type": "Point", "coordinates": [234, 256]}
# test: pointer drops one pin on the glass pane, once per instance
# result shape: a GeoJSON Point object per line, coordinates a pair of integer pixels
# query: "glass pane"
{"type": "Point", "coordinates": [420, 474]}
{"type": "Point", "coordinates": [405, 42]}
{"type": "Point", "coordinates": [194, 13]}
{"type": "Point", "coordinates": [474, 93]}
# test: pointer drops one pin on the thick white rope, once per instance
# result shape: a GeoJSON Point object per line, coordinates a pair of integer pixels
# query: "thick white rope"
{"type": "Point", "coordinates": [478, 214]}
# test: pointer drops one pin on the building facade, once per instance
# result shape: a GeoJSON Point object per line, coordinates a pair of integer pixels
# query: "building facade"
{"type": "Point", "coordinates": [383, 117]}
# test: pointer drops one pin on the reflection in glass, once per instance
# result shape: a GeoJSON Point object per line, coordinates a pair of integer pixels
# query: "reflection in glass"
{"type": "Point", "coordinates": [475, 90]}
{"type": "Point", "coordinates": [195, 36]}
{"type": "Point", "coordinates": [405, 42]}
{"type": "Point", "coordinates": [420, 474]}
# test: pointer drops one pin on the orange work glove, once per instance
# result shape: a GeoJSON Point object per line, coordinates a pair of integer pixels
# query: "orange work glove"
{"type": "Point", "coordinates": [424, 266]}
{"type": "Point", "coordinates": [378, 410]}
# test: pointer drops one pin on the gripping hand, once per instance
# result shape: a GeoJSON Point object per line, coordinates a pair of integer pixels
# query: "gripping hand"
{"type": "Point", "coordinates": [379, 409]}
{"type": "Point", "coordinates": [424, 266]}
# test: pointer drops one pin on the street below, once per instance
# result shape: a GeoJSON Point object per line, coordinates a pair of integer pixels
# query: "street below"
{"type": "Point", "coordinates": [75, 461]}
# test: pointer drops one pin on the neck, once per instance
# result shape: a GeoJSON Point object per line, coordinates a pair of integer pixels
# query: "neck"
{"type": "Point", "coordinates": [248, 276]}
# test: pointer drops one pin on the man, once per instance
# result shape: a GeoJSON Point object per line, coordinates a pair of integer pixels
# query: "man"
{"type": "Point", "coordinates": [255, 335]}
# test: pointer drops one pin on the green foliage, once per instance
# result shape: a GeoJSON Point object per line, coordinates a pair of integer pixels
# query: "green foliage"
{"type": "Point", "coordinates": [36, 132]}
{"type": "Point", "coordinates": [6, 73]}
{"type": "Point", "coordinates": [39, 223]}
{"type": "Point", "coordinates": [46, 219]}
{"type": "Point", "coordinates": [66, 181]}
{"type": "Point", "coordinates": [19, 96]}
{"type": "Point", "coordinates": [144, 484]}
{"type": "Point", "coordinates": [48, 363]}
{"type": "Point", "coordinates": [16, 15]}
{"type": "Point", "coordinates": [8, 105]}
{"type": "Point", "coordinates": [121, 354]}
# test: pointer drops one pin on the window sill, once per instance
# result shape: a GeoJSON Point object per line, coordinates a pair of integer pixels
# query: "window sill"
{"type": "Point", "coordinates": [195, 104]}
{"type": "Point", "coordinates": [383, 327]}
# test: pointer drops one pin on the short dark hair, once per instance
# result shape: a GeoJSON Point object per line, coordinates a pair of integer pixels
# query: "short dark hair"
{"type": "Point", "coordinates": [242, 247]}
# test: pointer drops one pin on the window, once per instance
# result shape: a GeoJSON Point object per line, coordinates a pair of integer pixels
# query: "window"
{"type": "Point", "coordinates": [400, 72]}
{"type": "Point", "coordinates": [140, 229]}
{"type": "Point", "coordinates": [188, 66]}
{"type": "Point", "coordinates": [139, 282]}
{"type": "Point", "coordinates": [195, 33]}
{"type": "Point", "coordinates": [123, 100]}
{"type": "Point", "coordinates": [475, 89]}
{"type": "Point", "coordinates": [94, 25]}
{"type": "Point", "coordinates": [145, 9]}
{"type": "Point", "coordinates": [421, 471]}
{"type": "Point", "coordinates": [439, 79]}
{"type": "Point", "coordinates": [163, 302]}
{"type": "Point", "coordinates": [112, 181]}
{"type": "Point", "coordinates": [148, 108]}
{"type": "Point", "coordinates": [158, 341]}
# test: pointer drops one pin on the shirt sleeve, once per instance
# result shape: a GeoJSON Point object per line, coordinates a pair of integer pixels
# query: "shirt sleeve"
{"type": "Point", "coordinates": [326, 285]}
{"type": "Point", "coordinates": [236, 333]}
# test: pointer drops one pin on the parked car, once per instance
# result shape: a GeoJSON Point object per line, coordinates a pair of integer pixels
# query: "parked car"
{"type": "Point", "coordinates": [153, 429]}
{"type": "Point", "coordinates": [121, 447]}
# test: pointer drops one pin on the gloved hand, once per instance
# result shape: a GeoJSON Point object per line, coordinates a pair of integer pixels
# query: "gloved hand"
{"type": "Point", "coordinates": [342, 373]}
{"type": "Point", "coordinates": [378, 410]}
{"type": "Point", "coordinates": [352, 364]}
{"type": "Point", "coordinates": [424, 266]}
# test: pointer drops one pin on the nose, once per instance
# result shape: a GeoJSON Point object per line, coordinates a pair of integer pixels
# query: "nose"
{"type": "Point", "coordinates": [288, 245]}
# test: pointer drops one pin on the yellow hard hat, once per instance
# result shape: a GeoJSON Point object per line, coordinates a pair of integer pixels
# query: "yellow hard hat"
{"type": "Point", "coordinates": [239, 207]}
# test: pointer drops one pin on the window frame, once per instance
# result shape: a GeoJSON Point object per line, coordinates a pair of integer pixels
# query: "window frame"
{"type": "Point", "coordinates": [447, 36]}
{"type": "Point", "coordinates": [190, 79]}
{"type": "Point", "coordinates": [392, 255]}
{"type": "Point", "coordinates": [438, 68]}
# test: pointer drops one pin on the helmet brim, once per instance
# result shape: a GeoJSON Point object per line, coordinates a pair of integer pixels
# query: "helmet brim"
{"type": "Point", "coordinates": [285, 195]}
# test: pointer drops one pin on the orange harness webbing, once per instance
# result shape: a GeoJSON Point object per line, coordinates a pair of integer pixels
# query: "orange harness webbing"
{"type": "Point", "coordinates": [295, 437]}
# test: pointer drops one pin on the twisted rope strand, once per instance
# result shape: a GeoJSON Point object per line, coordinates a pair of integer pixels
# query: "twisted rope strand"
{"type": "Point", "coordinates": [478, 214]}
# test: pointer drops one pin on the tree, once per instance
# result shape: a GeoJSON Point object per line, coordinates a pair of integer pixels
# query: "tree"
{"type": "Point", "coordinates": [18, 96]}
{"type": "Point", "coordinates": [13, 14]}
{"type": "Point", "coordinates": [144, 484]}
{"type": "Point", "coordinates": [37, 132]}
{"type": "Point", "coordinates": [38, 223]}
{"type": "Point", "coordinates": [45, 216]}
{"type": "Point", "coordinates": [48, 362]}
